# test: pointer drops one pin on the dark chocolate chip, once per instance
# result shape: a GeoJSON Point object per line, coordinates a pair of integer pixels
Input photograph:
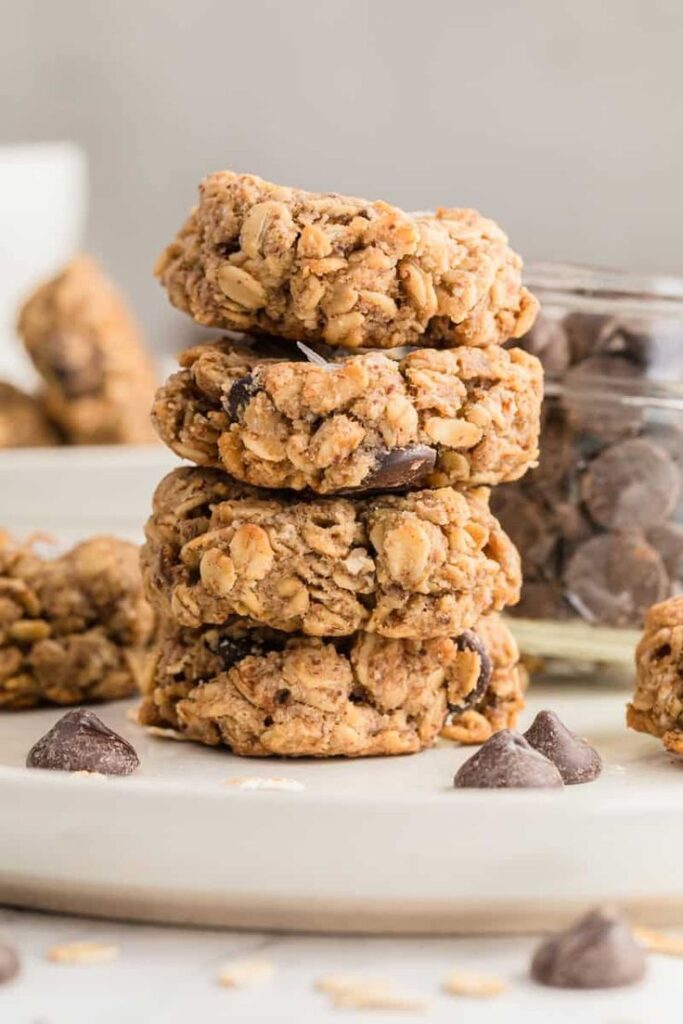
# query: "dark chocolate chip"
{"type": "Point", "coordinates": [507, 761]}
{"type": "Point", "coordinates": [397, 467]}
{"type": "Point", "coordinates": [613, 579]}
{"type": "Point", "coordinates": [79, 741]}
{"type": "Point", "coordinates": [233, 649]}
{"type": "Point", "coordinates": [631, 484]}
{"type": "Point", "coordinates": [9, 963]}
{"type": "Point", "coordinates": [530, 527]}
{"type": "Point", "coordinates": [582, 330]}
{"type": "Point", "coordinates": [239, 395]}
{"type": "Point", "coordinates": [598, 951]}
{"type": "Point", "coordinates": [548, 340]}
{"type": "Point", "coordinates": [592, 407]}
{"type": "Point", "coordinates": [575, 759]}
{"type": "Point", "coordinates": [469, 641]}
{"type": "Point", "coordinates": [542, 600]}
{"type": "Point", "coordinates": [667, 539]}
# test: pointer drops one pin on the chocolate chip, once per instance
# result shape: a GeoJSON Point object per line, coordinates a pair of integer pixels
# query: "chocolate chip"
{"type": "Point", "coordinates": [232, 649]}
{"type": "Point", "coordinates": [598, 951]}
{"type": "Point", "coordinates": [541, 600]}
{"type": "Point", "coordinates": [667, 540]}
{"type": "Point", "coordinates": [575, 760]}
{"type": "Point", "coordinates": [507, 761]}
{"type": "Point", "coordinates": [397, 467]}
{"type": "Point", "coordinates": [591, 409]}
{"type": "Point", "coordinates": [239, 395]}
{"type": "Point", "coordinates": [469, 641]}
{"type": "Point", "coordinates": [633, 483]}
{"type": "Point", "coordinates": [79, 741]}
{"type": "Point", "coordinates": [529, 527]}
{"type": "Point", "coordinates": [548, 341]}
{"type": "Point", "coordinates": [582, 331]}
{"type": "Point", "coordinates": [613, 579]}
{"type": "Point", "coordinates": [9, 963]}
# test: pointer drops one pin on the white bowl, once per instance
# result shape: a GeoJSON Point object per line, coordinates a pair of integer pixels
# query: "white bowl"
{"type": "Point", "coordinates": [43, 204]}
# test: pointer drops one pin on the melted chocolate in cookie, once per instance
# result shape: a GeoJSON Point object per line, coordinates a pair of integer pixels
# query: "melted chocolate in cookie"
{"type": "Point", "coordinates": [239, 396]}
{"type": "Point", "coordinates": [469, 641]}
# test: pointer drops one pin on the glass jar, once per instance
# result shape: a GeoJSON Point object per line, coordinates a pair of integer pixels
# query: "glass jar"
{"type": "Point", "coordinates": [599, 522]}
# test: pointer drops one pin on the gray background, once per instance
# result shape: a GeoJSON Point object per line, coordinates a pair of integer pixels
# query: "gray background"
{"type": "Point", "coordinates": [560, 119]}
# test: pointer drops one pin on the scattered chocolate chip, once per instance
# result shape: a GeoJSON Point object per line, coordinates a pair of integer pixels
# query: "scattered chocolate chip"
{"type": "Point", "coordinates": [507, 761]}
{"type": "Point", "coordinates": [239, 395]}
{"type": "Point", "coordinates": [631, 484]}
{"type": "Point", "coordinates": [79, 742]}
{"type": "Point", "coordinates": [613, 579]}
{"type": "Point", "coordinates": [398, 467]}
{"type": "Point", "coordinates": [469, 641]}
{"type": "Point", "coordinates": [575, 759]}
{"type": "Point", "coordinates": [9, 963]}
{"type": "Point", "coordinates": [233, 649]}
{"type": "Point", "coordinates": [598, 951]}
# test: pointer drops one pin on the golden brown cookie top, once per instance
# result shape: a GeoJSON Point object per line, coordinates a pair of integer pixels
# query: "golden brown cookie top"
{"type": "Point", "coordinates": [329, 268]}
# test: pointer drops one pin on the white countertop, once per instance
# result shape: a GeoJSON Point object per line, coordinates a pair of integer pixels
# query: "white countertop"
{"type": "Point", "coordinates": [167, 975]}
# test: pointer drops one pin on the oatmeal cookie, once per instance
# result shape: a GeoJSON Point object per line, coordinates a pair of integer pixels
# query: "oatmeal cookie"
{"type": "Point", "coordinates": [363, 422]}
{"type": "Point", "coordinates": [23, 420]}
{"type": "Point", "coordinates": [424, 564]}
{"type": "Point", "coordinates": [85, 344]}
{"type": "Point", "coordinates": [657, 703]}
{"type": "Point", "coordinates": [73, 628]}
{"type": "Point", "coordinates": [261, 692]}
{"type": "Point", "coordinates": [345, 271]}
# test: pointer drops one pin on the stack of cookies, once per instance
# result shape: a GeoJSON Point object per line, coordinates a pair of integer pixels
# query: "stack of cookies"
{"type": "Point", "coordinates": [328, 573]}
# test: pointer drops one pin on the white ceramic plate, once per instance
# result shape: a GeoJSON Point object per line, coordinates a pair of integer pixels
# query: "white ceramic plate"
{"type": "Point", "coordinates": [367, 845]}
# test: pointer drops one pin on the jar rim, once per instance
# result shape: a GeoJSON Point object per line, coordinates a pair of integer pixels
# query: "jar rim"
{"type": "Point", "coordinates": [600, 281]}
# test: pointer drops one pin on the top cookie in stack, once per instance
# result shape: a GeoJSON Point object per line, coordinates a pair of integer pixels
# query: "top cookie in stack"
{"type": "Point", "coordinates": [309, 276]}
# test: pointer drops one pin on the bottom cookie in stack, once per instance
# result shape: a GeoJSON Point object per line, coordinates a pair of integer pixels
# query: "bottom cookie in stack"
{"type": "Point", "coordinates": [262, 693]}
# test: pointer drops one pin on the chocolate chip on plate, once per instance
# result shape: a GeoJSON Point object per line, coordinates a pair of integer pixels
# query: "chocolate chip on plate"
{"type": "Point", "coordinates": [613, 578]}
{"type": "Point", "coordinates": [630, 484]}
{"type": "Point", "coordinates": [79, 742]}
{"type": "Point", "coordinates": [397, 467]}
{"type": "Point", "coordinates": [507, 761]}
{"type": "Point", "coordinates": [575, 759]}
{"type": "Point", "coordinates": [469, 641]}
{"type": "Point", "coordinates": [9, 963]}
{"type": "Point", "coordinates": [597, 951]}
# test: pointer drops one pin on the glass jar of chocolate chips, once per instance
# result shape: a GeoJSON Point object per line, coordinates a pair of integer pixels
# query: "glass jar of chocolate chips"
{"type": "Point", "coordinates": [599, 522]}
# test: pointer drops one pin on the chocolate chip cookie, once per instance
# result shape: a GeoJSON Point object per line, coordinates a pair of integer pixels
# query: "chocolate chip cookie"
{"type": "Point", "coordinates": [428, 563]}
{"type": "Point", "coordinates": [99, 380]}
{"type": "Point", "coordinates": [262, 693]}
{"type": "Point", "coordinates": [73, 628]}
{"type": "Point", "coordinates": [323, 267]}
{"type": "Point", "coordinates": [657, 703]}
{"type": "Point", "coordinates": [364, 422]}
{"type": "Point", "coordinates": [24, 422]}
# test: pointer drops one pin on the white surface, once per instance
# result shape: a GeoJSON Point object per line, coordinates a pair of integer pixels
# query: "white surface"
{"type": "Point", "coordinates": [43, 202]}
{"type": "Point", "coordinates": [79, 491]}
{"type": "Point", "coordinates": [167, 976]}
{"type": "Point", "coordinates": [381, 844]}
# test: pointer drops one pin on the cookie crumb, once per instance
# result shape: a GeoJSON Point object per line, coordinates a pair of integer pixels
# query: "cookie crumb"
{"type": "Point", "coordinates": [466, 983]}
{"type": "Point", "coordinates": [355, 993]}
{"type": "Point", "coordinates": [166, 734]}
{"type": "Point", "coordinates": [658, 942]}
{"type": "Point", "coordinates": [84, 773]}
{"type": "Point", "coordinates": [243, 973]}
{"type": "Point", "coordinates": [259, 782]}
{"type": "Point", "coordinates": [83, 953]}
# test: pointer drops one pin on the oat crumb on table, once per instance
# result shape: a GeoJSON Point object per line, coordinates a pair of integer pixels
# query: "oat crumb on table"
{"type": "Point", "coordinates": [659, 942]}
{"type": "Point", "coordinates": [243, 973]}
{"type": "Point", "coordinates": [467, 983]}
{"type": "Point", "coordinates": [259, 782]}
{"type": "Point", "coordinates": [83, 953]}
{"type": "Point", "coordinates": [351, 992]}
